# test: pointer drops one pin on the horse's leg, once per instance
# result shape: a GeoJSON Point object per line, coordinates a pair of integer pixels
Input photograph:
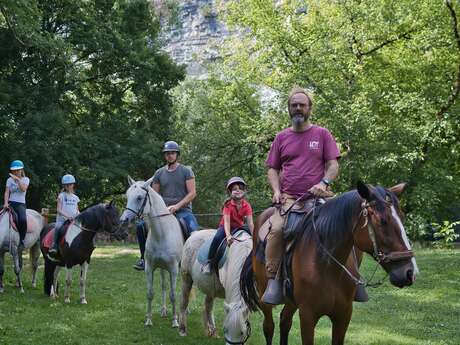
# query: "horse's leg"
{"type": "Point", "coordinates": [164, 310]}
{"type": "Point", "coordinates": [68, 283]}
{"type": "Point", "coordinates": [340, 322]}
{"type": "Point", "coordinates": [307, 325]}
{"type": "Point", "coordinates": [208, 317]}
{"type": "Point", "coordinates": [149, 278]}
{"type": "Point", "coordinates": [286, 322]}
{"type": "Point", "coordinates": [268, 324]}
{"type": "Point", "coordinates": [2, 270]}
{"type": "Point", "coordinates": [187, 284]}
{"type": "Point", "coordinates": [54, 287]}
{"type": "Point", "coordinates": [83, 271]}
{"type": "Point", "coordinates": [17, 263]}
{"type": "Point", "coordinates": [172, 293]}
{"type": "Point", "coordinates": [34, 254]}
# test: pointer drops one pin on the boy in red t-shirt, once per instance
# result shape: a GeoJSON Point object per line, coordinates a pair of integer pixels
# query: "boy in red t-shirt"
{"type": "Point", "coordinates": [236, 213]}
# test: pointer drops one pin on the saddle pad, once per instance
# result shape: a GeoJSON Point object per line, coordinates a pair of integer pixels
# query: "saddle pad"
{"type": "Point", "coordinates": [204, 251]}
{"type": "Point", "coordinates": [49, 237]}
{"type": "Point", "coordinates": [31, 223]}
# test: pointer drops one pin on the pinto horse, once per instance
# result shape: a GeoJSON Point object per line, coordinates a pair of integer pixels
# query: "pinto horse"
{"type": "Point", "coordinates": [77, 246]}
{"type": "Point", "coordinates": [323, 276]}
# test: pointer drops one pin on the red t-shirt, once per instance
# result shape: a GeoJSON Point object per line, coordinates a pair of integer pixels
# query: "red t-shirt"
{"type": "Point", "coordinates": [300, 157]}
{"type": "Point", "coordinates": [236, 216]}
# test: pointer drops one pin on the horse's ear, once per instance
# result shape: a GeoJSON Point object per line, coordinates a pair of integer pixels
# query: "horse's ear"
{"type": "Point", "coordinates": [111, 203]}
{"type": "Point", "coordinates": [148, 183]}
{"type": "Point", "coordinates": [398, 189]}
{"type": "Point", "coordinates": [363, 190]}
{"type": "Point", "coordinates": [130, 180]}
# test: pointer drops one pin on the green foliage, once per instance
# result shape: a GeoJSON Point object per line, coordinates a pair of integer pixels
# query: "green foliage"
{"type": "Point", "coordinates": [384, 77]}
{"type": "Point", "coordinates": [445, 234]}
{"type": "Point", "coordinates": [83, 90]}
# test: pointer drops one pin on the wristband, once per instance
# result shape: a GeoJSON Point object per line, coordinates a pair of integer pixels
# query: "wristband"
{"type": "Point", "coordinates": [326, 182]}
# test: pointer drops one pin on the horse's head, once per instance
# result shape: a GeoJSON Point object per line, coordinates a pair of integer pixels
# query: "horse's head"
{"type": "Point", "coordinates": [112, 222]}
{"type": "Point", "coordinates": [137, 202]}
{"type": "Point", "coordinates": [382, 233]}
{"type": "Point", "coordinates": [237, 328]}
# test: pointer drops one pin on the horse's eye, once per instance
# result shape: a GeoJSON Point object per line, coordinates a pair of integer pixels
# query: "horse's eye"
{"type": "Point", "coordinates": [388, 199]}
{"type": "Point", "coordinates": [139, 198]}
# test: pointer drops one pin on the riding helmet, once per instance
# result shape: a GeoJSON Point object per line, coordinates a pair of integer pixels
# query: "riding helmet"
{"type": "Point", "coordinates": [16, 165]}
{"type": "Point", "coordinates": [68, 179]}
{"type": "Point", "coordinates": [171, 146]}
{"type": "Point", "coordinates": [233, 180]}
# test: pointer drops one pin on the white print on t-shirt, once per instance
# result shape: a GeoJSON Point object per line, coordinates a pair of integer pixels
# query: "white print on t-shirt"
{"type": "Point", "coordinates": [314, 145]}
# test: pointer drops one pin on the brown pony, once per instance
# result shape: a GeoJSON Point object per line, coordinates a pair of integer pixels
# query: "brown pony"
{"type": "Point", "coordinates": [323, 271]}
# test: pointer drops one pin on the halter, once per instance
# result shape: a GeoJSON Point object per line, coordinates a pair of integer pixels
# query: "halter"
{"type": "Point", "coordinates": [378, 255]}
{"type": "Point", "coordinates": [248, 334]}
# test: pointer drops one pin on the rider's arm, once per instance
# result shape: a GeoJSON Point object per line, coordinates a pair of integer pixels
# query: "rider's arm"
{"type": "Point", "coordinates": [331, 170]}
{"type": "Point", "coordinates": [22, 185]}
{"type": "Point", "coordinates": [227, 226]}
{"type": "Point", "coordinates": [250, 222]}
{"type": "Point", "coordinates": [59, 208]}
{"type": "Point", "coordinates": [274, 181]}
{"type": "Point", "coordinates": [6, 196]}
{"type": "Point", "coordinates": [191, 193]}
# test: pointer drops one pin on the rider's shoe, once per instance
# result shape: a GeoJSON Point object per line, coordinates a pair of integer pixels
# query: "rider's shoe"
{"type": "Point", "coordinates": [206, 268]}
{"type": "Point", "coordinates": [273, 292]}
{"type": "Point", "coordinates": [140, 265]}
{"type": "Point", "coordinates": [361, 294]}
{"type": "Point", "coordinates": [53, 252]}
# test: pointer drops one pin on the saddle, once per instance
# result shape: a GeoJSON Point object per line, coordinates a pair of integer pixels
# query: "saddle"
{"type": "Point", "coordinates": [47, 241]}
{"type": "Point", "coordinates": [14, 219]}
{"type": "Point", "coordinates": [221, 254]}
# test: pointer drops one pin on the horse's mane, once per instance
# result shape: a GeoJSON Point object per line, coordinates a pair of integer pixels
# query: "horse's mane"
{"type": "Point", "coordinates": [92, 215]}
{"type": "Point", "coordinates": [332, 220]}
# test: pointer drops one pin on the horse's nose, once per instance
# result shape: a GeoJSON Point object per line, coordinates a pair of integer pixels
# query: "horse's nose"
{"type": "Point", "coordinates": [410, 275]}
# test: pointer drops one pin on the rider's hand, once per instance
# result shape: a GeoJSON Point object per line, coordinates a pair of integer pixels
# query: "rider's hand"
{"type": "Point", "coordinates": [320, 190]}
{"type": "Point", "coordinates": [230, 240]}
{"type": "Point", "coordinates": [5, 206]}
{"type": "Point", "coordinates": [172, 209]}
{"type": "Point", "coordinates": [276, 199]}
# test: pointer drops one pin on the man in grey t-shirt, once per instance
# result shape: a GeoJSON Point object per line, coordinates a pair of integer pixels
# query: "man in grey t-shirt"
{"type": "Point", "coordinates": [176, 184]}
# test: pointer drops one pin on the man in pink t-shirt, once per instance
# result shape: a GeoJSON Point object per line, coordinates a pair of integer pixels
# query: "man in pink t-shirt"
{"type": "Point", "coordinates": [302, 163]}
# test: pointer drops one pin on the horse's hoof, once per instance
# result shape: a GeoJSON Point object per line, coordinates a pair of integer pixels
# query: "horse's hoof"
{"type": "Point", "coordinates": [83, 301]}
{"type": "Point", "coordinates": [34, 285]}
{"type": "Point", "coordinates": [175, 324]}
{"type": "Point", "coordinates": [22, 290]}
{"type": "Point", "coordinates": [182, 332]}
{"type": "Point", "coordinates": [212, 333]}
{"type": "Point", "coordinates": [164, 312]}
{"type": "Point", "coordinates": [67, 300]}
{"type": "Point", "coordinates": [2, 290]}
{"type": "Point", "coordinates": [148, 323]}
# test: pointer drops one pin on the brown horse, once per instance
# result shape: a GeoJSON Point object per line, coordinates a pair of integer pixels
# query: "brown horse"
{"type": "Point", "coordinates": [323, 271]}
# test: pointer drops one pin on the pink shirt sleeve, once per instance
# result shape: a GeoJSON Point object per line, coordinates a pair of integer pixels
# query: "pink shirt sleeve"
{"type": "Point", "coordinates": [331, 151]}
{"type": "Point", "coordinates": [274, 156]}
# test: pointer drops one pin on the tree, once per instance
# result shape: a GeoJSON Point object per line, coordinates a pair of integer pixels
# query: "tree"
{"type": "Point", "coordinates": [83, 90]}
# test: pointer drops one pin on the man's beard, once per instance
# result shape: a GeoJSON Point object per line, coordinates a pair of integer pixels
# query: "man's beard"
{"type": "Point", "coordinates": [298, 120]}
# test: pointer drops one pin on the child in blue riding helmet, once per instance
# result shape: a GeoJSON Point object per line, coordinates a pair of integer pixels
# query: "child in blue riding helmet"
{"type": "Point", "coordinates": [15, 197]}
{"type": "Point", "coordinates": [67, 209]}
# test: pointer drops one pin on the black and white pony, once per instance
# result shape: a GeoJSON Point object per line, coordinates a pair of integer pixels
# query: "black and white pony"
{"type": "Point", "coordinates": [77, 246]}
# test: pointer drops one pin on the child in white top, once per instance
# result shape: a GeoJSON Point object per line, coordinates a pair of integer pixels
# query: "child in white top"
{"type": "Point", "coordinates": [67, 209]}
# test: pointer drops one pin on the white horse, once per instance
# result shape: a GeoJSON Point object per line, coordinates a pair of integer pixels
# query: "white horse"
{"type": "Point", "coordinates": [226, 285]}
{"type": "Point", "coordinates": [164, 244]}
{"type": "Point", "coordinates": [9, 240]}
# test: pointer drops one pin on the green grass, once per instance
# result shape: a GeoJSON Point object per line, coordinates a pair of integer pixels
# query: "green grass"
{"type": "Point", "coordinates": [427, 313]}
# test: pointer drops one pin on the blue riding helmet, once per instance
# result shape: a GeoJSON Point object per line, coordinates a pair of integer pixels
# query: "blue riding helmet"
{"type": "Point", "coordinates": [171, 146]}
{"type": "Point", "coordinates": [16, 165]}
{"type": "Point", "coordinates": [68, 179]}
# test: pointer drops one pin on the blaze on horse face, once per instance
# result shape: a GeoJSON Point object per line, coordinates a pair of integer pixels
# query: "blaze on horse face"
{"type": "Point", "coordinates": [383, 234]}
{"type": "Point", "coordinates": [137, 201]}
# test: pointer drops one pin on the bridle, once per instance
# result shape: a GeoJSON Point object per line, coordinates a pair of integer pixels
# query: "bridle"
{"type": "Point", "coordinates": [140, 213]}
{"type": "Point", "coordinates": [248, 334]}
{"type": "Point", "coordinates": [379, 256]}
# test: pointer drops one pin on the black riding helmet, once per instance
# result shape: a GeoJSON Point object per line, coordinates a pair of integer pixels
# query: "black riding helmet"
{"type": "Point", "coordinates": [171, 146]}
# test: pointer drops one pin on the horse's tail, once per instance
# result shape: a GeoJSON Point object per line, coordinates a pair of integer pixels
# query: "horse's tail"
{"type": "Point", "coordinates": [247, 286]}
{"type": "Point", "coordinates": [50, 267]}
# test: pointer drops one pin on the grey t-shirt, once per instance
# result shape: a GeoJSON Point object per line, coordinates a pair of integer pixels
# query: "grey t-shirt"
{"type": "Point", "coordinates": [69, 205]}
{"type": "Point", "coordinates": [172, 184]}
{"type": "Point", "coordinates": [15, 193]}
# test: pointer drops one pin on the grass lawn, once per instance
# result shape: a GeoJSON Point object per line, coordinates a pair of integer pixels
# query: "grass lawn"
{"type": "Point", "coordinates": [427, 313]}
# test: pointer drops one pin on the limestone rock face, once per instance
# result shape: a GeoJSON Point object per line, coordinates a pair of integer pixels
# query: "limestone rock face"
{"type": "Point", "coordinates": [194, 39]}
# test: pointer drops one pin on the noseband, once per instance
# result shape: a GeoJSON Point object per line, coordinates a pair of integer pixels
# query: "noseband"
{"type": "Point", "coordinates": [248, 334]}
{"type": "Point", "coordinates": [140, 212]}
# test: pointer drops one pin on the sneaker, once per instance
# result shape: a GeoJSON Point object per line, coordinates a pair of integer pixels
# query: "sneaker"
{"type": "Point", "coordinates": [53, 252]}
{"type": "Point", "coordinates": [139, 265]}
{"type": "Point", "coordinates": [206, 268]}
